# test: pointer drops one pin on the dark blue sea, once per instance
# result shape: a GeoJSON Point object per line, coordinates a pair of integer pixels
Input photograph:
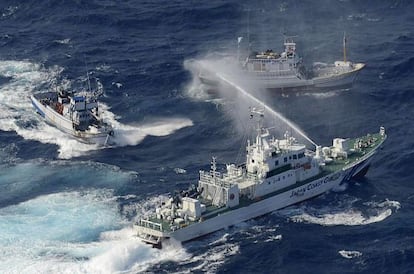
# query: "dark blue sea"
{"type": "Point", "coordinates": [68, 207]}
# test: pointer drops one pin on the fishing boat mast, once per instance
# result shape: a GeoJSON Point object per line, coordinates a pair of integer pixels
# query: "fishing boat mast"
{"type": "Point", "coordinates": [344, 45]}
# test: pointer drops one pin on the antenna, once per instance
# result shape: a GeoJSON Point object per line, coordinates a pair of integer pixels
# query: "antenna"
{"type": "Point", "coordinates": [344, 45]}
{"type": "Point", "coordinates": [259, 113]}
{"type": "Point", "coordinates": [87, 74]}
{"type": "Point", "coordinates": [248, 30]}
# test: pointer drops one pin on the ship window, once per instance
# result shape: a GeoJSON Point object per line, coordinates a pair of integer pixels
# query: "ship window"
{"type": "Point", "coordinates": [285, 159]}
{"type": "Point", "coordinates": [252, 160]}
{"type": "Point", "coordinates": [283, 177]}
{"type": "Point", "coordinates": [295, 156]}
{"type": "Point", "coordinates": [276, 162]}
{"type": "Point", "coordinates": [290, 157]}
{"type": "Point", "coordinates": [301, 155]}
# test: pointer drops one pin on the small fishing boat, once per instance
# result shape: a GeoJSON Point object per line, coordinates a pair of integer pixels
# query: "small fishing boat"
{"type": "Point", "coordinates": [75, 113]}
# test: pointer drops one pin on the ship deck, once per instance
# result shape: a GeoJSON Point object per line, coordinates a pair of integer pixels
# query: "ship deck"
{"type": "Point", "coordinates": [371, 142]}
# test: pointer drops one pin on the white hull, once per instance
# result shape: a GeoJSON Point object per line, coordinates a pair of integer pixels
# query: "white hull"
{"type": "Point", "coordinates": [254, 210]}
{"type": "Point", "coordinates": [277, 173]}
{"type": "Point", "coordinates": [64, 124]}
{"type": "Point", "coordinates": [208, 76]}
{"type": "Point", "coordinates": [279, 201]}
{"type": "Point", "coordinates": [257, 209]}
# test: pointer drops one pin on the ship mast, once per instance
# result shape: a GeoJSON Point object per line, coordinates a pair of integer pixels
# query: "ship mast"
{"type": "Point", "coordinates": [258, 112]}
{"type": "Point", "coordinates": [248, 31]}
{"type": "Point", "coordinates": [344, 45]}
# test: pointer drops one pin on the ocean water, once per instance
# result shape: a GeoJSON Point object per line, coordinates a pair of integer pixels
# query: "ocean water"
{"type": "Point", "coordinates": [67, 207]}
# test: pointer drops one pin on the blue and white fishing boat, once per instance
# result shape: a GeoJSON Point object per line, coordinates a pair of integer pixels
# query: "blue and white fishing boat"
{"type": "Point", "coordinates": [75, 113]}
{"type": "Point", "coordinates": [277, 173]}
{"type": "Point", "coordinates": [280, 70]}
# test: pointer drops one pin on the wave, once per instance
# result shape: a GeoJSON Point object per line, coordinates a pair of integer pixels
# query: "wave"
{"type": "Point", "coordinates": [22, 181]}
{"type": "Point", "coordinates": [347, 215]}
{"type": "Point", "coordinates": [349, 254]}
{"type": "Point", "coordinates": [17, 113]}
{"type": "Point", "coordinates": [74, 232]}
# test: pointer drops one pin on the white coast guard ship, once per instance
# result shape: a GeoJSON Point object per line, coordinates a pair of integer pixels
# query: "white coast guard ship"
{"type": "Point", "coordinates": [75, 113]}
{"type": "Point", "coordinates": [276, 174]}
{"type": "Point", "coordinates": [285, 70]}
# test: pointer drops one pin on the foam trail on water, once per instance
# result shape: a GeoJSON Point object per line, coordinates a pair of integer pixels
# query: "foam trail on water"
{"type": "Point", "coordinates": [275, 113]}
{"type": "Point", "coordinates": [17, 113]}
{"type": "Point", "coordinates": [74, 232]}
{"type": "Point", "coordinates": [133, 134]}
{"type": "Point", "coordinates": [350, 254]}
{"type": "Point", "coordinates": [349, 216]}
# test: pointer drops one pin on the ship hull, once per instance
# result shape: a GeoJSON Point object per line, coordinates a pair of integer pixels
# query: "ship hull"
{"type": "Point", "coordinates": [262, 207]}
{"type": "Point", "coordinates": [256, 209]}
{"type": "Point", "coordinates": [208, 76]}
{"type": "Point", "coordinates": [259, 208]}
{"type": "Point", "coordinates": [64, 124]}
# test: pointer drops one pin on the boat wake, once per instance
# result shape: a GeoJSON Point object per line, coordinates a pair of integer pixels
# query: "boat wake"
{"type": "Point", "coordinates": [74, 232]}
{"type": "Point", "coordinates": [133, 134]}
{"type": "Point", "coordinates": [217, 253]}
{"type": "Point", "coordinates": [346, 214]}
{"type": "Point", "coordinates": [17, 113]}
{"type": "Point", "coordinates": [21, 181]}
{"type": "Point", "coordinates": [78, 230]}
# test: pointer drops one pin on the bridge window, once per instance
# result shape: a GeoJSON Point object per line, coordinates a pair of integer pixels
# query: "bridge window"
{"type": "Point", "coordinates": [295, 156]}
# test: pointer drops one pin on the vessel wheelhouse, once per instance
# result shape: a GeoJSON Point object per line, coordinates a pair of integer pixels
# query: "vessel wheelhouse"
{"type": "Point", "coordinates": [75, 113]}
{"type": "Point", "coordinates": [277, 173]}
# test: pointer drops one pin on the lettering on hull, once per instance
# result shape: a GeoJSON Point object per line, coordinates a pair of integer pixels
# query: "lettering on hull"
{"type": "Point", "coordinates": [313, 185]}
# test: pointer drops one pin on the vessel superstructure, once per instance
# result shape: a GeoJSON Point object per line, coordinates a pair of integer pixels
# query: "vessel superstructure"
{"type": "Point", "coordinates": [75, 113]}
{"type": "Point", "coordinates": [277, 173]}
{"type": "Point", "coordinates": [281, 71]}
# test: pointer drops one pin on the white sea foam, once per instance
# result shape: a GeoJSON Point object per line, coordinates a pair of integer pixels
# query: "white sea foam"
{"type": "Point", "coordinates": [133, 134]}
{"type": "Point", "coordinates": [74, 232]}
{"type": "Point", "coordinates": [21, 179]}
{"type": "Point", "coordinates": [65, 41]}
{"type": "Point", "coordinates": [379, 211]}
{"type": "Point", "coordinates": [180, 170]}
{"type": "Point", "coordinates": [273, 238]}
{"type": "Point", "coordinates": [325, 94]}
{"type": "Point", "coordinates": [217, 254]}
{"type": "Point", "coordinates": [17, 113]}
{"type": "Point", "coordinates": [349, 254]}
{"type": "Point", "coordinates": [9, 11]}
